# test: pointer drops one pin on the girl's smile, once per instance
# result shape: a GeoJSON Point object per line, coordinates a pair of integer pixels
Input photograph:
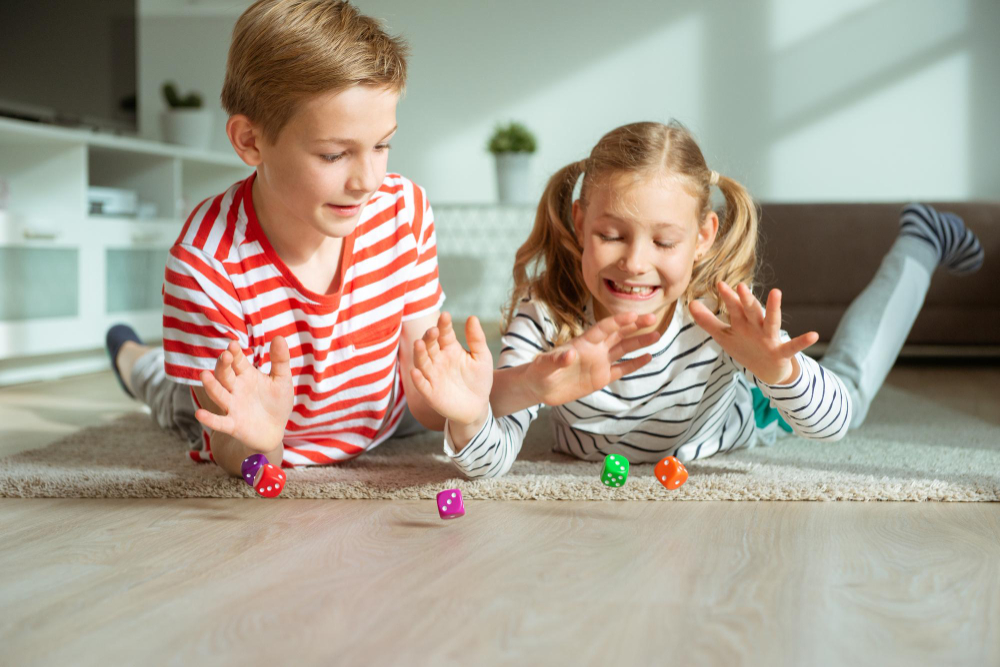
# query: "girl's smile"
{"type": "Point", "coordinates": [630, 290]}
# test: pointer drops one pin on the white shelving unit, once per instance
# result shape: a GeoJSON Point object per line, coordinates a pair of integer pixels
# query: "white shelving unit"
{"type": "Point", "coordinates": [66, 276]}
{"type": "Point", "coordinates": [476, 245]}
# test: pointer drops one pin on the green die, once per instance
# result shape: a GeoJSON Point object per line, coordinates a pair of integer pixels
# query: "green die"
{"type": "Point", "coordinates": [615, 470]}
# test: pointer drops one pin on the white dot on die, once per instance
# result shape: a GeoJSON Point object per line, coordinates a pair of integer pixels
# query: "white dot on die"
{"type": "Point", "coordinates": [443, 508]}
{"type": "Point", "coordinates": [449, 501]}
{"type": "Point", "coordinates": [453, 495]}
{"type": "Point", "coordinates": [664, 478]}
{"type": "Point", "coordinates": [612, 458]}
{"type": "Point", "coordinates": [277, 486]}
{"type": "Point", "coordinates": [268, 488]}
{"type": "Point", "coordinates": [270, 466]}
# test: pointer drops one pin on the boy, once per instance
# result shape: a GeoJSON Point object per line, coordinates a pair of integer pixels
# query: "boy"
{"type": "Point", "coordinates": [292, 301]}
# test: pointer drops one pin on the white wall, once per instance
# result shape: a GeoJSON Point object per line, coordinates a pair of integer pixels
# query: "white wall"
{"type": "Point", "coordinates": [803, 100]}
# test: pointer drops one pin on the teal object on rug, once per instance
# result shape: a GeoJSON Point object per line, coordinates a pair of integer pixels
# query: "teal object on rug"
{"type": "Point", "coordinates": [764, 414]}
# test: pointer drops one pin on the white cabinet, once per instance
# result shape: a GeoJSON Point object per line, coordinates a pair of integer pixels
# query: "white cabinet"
{"type": "Point", "coordinates": [477, 245]}
{"type": "Point", "coordinates": [65, 276]}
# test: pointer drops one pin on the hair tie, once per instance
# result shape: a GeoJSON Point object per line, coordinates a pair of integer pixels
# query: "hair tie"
{"type": "Point", "coordinates": [713, 179]}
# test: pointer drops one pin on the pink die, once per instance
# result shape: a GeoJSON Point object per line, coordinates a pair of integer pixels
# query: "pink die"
{"type": "Point", "coordinates": [450, 505]}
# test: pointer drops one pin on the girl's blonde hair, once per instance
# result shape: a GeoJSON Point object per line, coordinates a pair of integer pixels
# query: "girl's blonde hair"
{"type": "Point", "coordinates": [548, 265]}
{"type": "Point", "coordinates": [284, 51]}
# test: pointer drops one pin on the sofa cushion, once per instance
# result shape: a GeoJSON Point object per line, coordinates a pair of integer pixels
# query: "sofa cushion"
{"type": "Point", "coordinates": [823, 255]}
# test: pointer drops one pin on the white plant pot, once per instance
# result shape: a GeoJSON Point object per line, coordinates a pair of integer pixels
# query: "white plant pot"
{"type": "Point", "coordinates": [188, 127]}
{"type": "Point", "coordinates": [514, 178]}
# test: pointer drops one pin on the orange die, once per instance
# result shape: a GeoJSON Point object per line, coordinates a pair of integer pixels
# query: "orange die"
{"type": "Point", "coordinates": [271, 482]}
{"type": "Point", "coordinates": [670, 472]}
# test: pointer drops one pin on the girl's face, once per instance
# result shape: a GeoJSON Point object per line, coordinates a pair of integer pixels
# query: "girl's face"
{"type": "Point", "coordinates": [640, 239]}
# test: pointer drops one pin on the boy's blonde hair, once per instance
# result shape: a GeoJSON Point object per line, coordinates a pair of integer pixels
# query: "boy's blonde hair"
{"type": "Point", "coordinates": [548, 266]}
{"type": "Point", "coordinates": [284, 51]}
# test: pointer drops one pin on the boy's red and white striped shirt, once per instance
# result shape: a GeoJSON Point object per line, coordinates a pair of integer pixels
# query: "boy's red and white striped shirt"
{"type": "Point", "coordinates": [225, 282]}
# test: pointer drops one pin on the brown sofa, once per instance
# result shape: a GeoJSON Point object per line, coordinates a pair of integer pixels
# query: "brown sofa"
{"type": "Point", "coordinates": [823, 255]}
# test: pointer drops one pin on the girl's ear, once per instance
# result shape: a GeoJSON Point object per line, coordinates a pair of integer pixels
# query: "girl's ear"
{"type": "Point", "coordinates": [706, 233]}
{"type": "Point", "coordinates": [578, 220]}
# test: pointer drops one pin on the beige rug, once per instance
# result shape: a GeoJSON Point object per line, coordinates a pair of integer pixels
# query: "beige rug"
{"type": "Point", "coordinates": [909, 449]}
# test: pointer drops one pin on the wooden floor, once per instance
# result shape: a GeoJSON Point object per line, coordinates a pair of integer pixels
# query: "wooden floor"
{"type": "Point", "coordinates": [111, 582]}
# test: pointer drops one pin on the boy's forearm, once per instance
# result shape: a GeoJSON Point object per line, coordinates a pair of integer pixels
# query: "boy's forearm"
{"type": "Point", "coordinates": [512, 392]}
{"type": "Point", "coordinates": [229, 453]}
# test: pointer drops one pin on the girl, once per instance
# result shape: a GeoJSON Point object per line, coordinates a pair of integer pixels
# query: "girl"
{"type": "Point", "coordinates": [640, 263]}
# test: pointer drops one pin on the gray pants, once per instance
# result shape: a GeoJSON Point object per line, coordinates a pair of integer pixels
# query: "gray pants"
{"type": "Point", "coordinates": [172, 406]}
{"type": "Point", "coordinates": [862, 351]}
{"type": "Point", "coordinates": [872, 332]}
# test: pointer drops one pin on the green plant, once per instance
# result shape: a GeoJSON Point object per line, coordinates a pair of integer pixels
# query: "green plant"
{"type": "Point", "coordinates": [512, 138]}
{"type": "Point", "coordinates": [191, 101]}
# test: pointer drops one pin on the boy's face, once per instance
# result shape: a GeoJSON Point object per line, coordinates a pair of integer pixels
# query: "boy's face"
{"type": "Point", "coordinates": [640, 239]}
{"type": "Point", "coordinates": [329, 159]}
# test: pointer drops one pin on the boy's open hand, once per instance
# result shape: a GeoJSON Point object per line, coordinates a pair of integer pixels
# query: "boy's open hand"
{"type": "Point", "coordinates": [753, 336]}
{"type": "Point", "coordinates": [257, 406]}
{"type": "Point", "coordinates": [455, 382]}
{"type": "Point", "coordinates": [588, 362]}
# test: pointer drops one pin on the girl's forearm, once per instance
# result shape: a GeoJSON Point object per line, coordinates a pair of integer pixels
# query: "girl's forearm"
{"type": "Point", "coordinates": [512, 391]}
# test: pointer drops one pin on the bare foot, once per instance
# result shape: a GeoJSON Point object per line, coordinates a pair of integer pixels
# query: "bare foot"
{"type": "Point", "coordinates": [128, 354]}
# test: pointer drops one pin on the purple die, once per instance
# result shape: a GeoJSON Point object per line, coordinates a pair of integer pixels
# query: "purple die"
{"type": "Point", "coordinates": [251, 465]}
{"type": "Point", "coordinates": [450, 504]}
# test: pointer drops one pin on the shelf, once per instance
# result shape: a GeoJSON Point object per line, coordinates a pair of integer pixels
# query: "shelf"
{"type": "Point", "coordinates": [66, 275]}
{"type": "Point", "coordinates": [19, 132]}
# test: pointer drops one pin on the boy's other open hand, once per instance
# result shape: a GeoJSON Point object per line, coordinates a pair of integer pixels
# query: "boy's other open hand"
{"type": "Point", "coordinates": [456, 383]}
{"type": "Point", "coordinates": [256, 406]}
{"type": "Point", "coordinates": [589, 362]}
{"type": "Point", "coordinates": [753, 335]}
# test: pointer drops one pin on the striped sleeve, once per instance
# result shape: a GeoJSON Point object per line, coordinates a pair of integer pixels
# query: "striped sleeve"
{"type": "Point", "coordinates": [816, 405]}
{"type": "Point", "coordinates": [201, 314]}
{"type": "Point", "coordinates": [423, 290]}
{"type": "Point", "coordinates": [492, 452]}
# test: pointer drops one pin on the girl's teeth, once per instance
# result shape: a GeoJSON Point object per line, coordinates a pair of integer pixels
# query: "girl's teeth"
{"type": "Point", "coordinates": [632, 290]}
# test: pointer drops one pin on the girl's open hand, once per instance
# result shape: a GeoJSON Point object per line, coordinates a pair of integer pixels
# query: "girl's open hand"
{"type": "Point", "coordinates": [753, 335]}
{"type": "Point", "coordinates": [455, 382]}
{"type": "Point", "coordinates": [588, 363]}
{"type": "Point", "coordinates": [257, 406]}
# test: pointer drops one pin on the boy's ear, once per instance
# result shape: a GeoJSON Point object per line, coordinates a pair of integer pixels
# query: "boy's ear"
{"type": "Point", "coordinates": [706, 233]}
{"type": "Point", "coordinates": [245, 138]}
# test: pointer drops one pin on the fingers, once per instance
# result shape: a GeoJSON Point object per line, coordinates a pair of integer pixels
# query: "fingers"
{"type": "Point", "coordinates": [430, 340]}
{"type": "Point", "coordinates": [241, 364]}
{"type": "Point", "coordinates": [733, 304]}
{"type": "Point", "coordinates": [224, 371]}
{"type": "Point", "coordinates": [446, 332]}
{"type": "Point", "coordinates": [608, 326]}
{"type": "Point", "coordinates": [706, 319]}
{"type": "Point", "coordinates": [624, 368]}
{"type": "Point", "coordinates": [421, 359]}
{"type": "Point", "coordinates": [216, 391]}
{"type": "Point", "coordinates": [219, 423]}
{"type": "Point", "coordinates": [421, 383]}
{"type": "Point", "coordinates": [280, 359]}
{"type": "Point", "coordinates": [772, 318]}
{"type": "Point", "coordinates": [751, 306]}
{"type": "Point", "coordinates": [632, 344]}
{"type": "Point", "coordinates": [797, 344]}
{"type": "Point", "coordinates": [476, 339]}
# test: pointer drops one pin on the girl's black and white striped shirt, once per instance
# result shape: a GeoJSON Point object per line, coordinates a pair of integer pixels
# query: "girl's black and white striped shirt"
{"type": "Point", "coordinates": [692, 400]}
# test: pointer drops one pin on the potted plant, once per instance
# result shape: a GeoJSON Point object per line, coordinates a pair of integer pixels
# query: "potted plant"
{"type": "Point", "coordinates": [185, 122]}
{"type": "Point", "coordinates": [512, 146]}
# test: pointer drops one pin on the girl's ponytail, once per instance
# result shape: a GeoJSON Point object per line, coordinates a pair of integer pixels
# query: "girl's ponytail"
{"type": "Point", "coordinates": [733, 256]}
{"type": "Point", "coordinates": [547, 265]}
